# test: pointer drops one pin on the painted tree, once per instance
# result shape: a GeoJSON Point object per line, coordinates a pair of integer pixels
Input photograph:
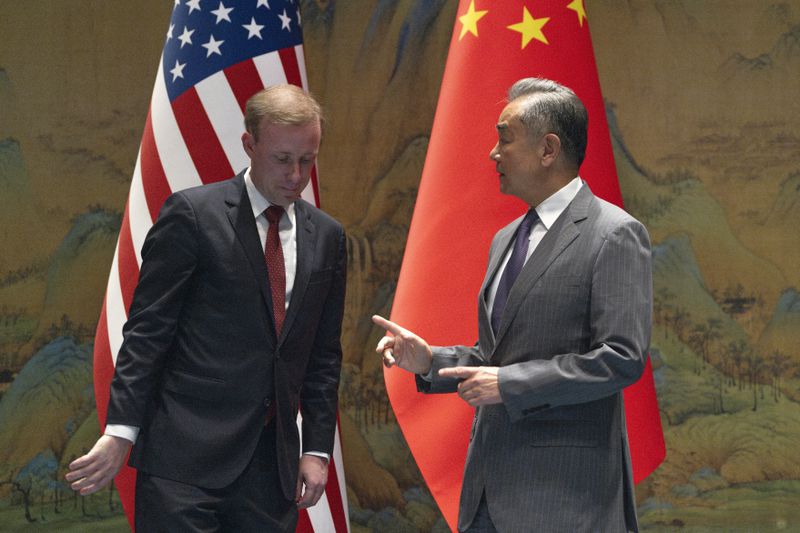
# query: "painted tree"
{"type": "Point", "coordinates": [777, 364]}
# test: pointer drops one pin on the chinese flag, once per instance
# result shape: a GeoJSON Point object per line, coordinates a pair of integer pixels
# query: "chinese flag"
{"type": "Point", "coordinates": [459, 208]}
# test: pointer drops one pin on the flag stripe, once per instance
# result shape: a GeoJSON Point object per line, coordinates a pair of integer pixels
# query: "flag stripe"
{"type": "Point", "coordinates": [338, 460]}
{"type": "Point", "coordinates": [128, 267]}
{"type": "Point", "coordinates": [226, 118]}
{"type": "Point", "coordinates": [270, 69]}
{"type": "Point", "coordinates": [320, 513]}
{"type": "Point", "coordinates": [103, 365]}
{"type": "Point", "coordinates": [157, 188]}
{"type": "Point", "coordinates": [116, 312]}
{"type": "Point", "coordinates": [290, 68]}
{"type": "Point", "coordinates": [139, 211]}
{"type": "Point", "coordinates": [301, 68]}
{"type": "Point", "coordinates": [304, 523]}
{"type": "Point", "coordinates": [301, 64]}
{"type": "Point", "coordinates": [178, 166]}
{"type": "Point", "coordinates": [201, 141]}
{"type": "Point", "coordinates": [334, 495]}
{"type": "Point", "coordinates": [311, 192]}
{"type": "Point", "coordinates": [244, 81]}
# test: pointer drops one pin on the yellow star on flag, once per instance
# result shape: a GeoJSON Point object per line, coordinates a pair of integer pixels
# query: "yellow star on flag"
{"type": "Point", "coordinates": [577, 7]}
{"type": "Point", "coordinates": [469, 20]}
{"type": "Point", "coordinates": [530, 28]}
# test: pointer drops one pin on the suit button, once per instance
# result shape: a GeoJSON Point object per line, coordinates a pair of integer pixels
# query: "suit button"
{"type": "Point", "coordinates": [267, 402]}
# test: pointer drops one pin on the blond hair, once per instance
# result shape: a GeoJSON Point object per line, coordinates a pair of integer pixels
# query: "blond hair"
{"type": "Point", "coordinates": [281, 104]}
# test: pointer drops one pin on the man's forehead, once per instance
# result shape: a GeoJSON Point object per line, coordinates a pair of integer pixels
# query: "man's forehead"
{"type": "Point", "coordinates": [511, 110]}
{"type": "Point", "coordinates": [509, 120]}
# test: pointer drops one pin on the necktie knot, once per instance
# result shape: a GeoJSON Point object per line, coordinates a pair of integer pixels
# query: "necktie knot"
{"type": "Point", "coordinates": [274, 214]}
{"type": "Point", "coordinates": [527, 223]}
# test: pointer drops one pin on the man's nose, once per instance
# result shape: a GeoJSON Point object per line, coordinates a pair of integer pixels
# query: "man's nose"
{"type": "Point", "coordinates": [494, 155]}
{"type": "Point", "coordinates": [296, 173]}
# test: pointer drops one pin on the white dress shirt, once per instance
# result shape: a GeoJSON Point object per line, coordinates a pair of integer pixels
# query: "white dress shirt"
{"type": "Point", "coordinates": [548, 211]}
{"type": "Point", "coordinates": [287, 231]}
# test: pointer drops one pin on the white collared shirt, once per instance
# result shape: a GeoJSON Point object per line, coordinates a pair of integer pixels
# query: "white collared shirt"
{"type": "Point", "coordinates": [549, 211]}
{"type": "Point", "coordinates": [287, 231]}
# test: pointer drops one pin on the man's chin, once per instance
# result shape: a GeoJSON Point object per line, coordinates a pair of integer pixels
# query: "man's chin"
{"type": "Point", "coordinates": [289, 198]}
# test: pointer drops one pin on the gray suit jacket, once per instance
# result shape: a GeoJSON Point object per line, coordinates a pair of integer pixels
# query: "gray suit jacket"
{"type": "Point", "coordinates": [554, 455]}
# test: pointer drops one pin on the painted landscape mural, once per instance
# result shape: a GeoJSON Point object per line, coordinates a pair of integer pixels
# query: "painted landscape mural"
{"type": "Point", "coordinates": [704, 116]}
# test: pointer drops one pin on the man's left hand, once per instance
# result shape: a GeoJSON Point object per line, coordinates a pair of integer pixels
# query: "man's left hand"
{"type": "Point", "coordinates": [313, 475]}
{"type": "Point", "coordinates": [480, 384]}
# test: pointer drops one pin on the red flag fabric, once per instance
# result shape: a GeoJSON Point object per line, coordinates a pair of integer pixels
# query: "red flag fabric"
{"type": "Point", "coordinates": [215, 57]}
{"type": "Point", "coordinates": [459, 208]}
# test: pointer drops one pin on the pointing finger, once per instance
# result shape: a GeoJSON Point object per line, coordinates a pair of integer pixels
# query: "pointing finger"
{"type": "Point", "coordinates": [463, 372]}
{"type": "Point", "coordinates": [388, 325]}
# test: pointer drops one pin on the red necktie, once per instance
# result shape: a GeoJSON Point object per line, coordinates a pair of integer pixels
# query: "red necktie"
{"type": "Point", "coordinates": [273, 253]}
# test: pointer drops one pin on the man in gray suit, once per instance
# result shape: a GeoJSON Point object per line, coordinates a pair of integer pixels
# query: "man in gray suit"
{"type": "Point", "coordinates": [564, 325]}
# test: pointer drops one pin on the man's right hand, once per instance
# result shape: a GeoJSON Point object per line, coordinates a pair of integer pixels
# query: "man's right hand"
{"type": "Point", "coordinates": [403, 348]}
{"type": "Point", "coordinates": [97, 468]}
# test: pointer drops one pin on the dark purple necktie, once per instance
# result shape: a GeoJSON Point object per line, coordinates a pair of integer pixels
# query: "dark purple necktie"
{"type": "Point", "coordinates": [513, 267]}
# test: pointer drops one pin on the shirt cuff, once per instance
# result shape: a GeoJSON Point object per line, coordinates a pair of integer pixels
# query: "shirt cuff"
{"type": "Point", "coordinates": [319, 454]}
{"type": "Point", "coordinates": [428, 376]}
{"type": "Point", "coordinates": [129, 433]}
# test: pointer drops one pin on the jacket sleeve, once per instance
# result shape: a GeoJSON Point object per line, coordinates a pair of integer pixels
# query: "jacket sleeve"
{"type": "Point", "coordinates": [620, 319]}
{"type": "Point", "coordinates": [320, 393]}
{"type": "Point", "coordinates": [169, 258]}
{"type": "Point", "coordinates": [448, 357]}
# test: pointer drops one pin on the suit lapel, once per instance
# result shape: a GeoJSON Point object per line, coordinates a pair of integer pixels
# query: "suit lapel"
{"type": "Point", "coordinates": [562, 233]}
{"type": "Point", "coordinates": [240, 215]}
{"type": "Point", "coordinates": [306, 247]}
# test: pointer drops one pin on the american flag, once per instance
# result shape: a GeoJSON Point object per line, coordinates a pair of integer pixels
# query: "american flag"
{"type": "Point", "coordinates": [216, 55]}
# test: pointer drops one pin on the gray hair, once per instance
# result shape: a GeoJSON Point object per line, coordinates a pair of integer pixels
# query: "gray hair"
{"type": "Point", "coordinates": [550, 107]}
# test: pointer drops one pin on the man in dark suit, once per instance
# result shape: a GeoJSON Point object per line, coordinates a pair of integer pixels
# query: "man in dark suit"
{"type": "Point", "coordinates": [564, 325]}
{"type": "Point", "coordinates": [234, 326]}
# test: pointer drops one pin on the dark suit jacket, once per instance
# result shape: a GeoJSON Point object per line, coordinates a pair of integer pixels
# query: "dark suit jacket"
{"type": "Point", "coordinates": [575, 331]}
{"type": "Point", "coordinates": [201, 362]}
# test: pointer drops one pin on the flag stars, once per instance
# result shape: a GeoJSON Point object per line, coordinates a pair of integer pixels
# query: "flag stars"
{"type": "Point", "coordinates": [285, 21]}
{"type": "Point", "coordinates": [212, 47]}
{"type": "Point", "coordinates": [169, 31]}
{"type": "Point", "coordinates": [530, 28]}
{"type": "Point", "coordinates": [469, 20]}
{"type": "Point", "coordinates": [186, 36]}
{"type": "Point", "coordinates": [263, 3]}
{"type": "Point", "coordinates": [299, 20]}
{"type": "Point", "coordinates": [578, 7]}
{"type": "Point", "coordinates": [222, 13]}
{"type": "Point", "coordinates": [253, 29]}
{"type": "Point", "coordinates": [193, 4]}
{"type": "Point", "coordinates": [177, 70]}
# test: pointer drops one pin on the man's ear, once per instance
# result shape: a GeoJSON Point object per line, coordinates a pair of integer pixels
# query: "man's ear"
{"type": "Point", "coordinates": [248, 143]}
{"type": "Point", "coordinates": [551, 149]}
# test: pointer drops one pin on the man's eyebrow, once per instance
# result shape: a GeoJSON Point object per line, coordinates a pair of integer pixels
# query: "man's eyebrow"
{"type": "Point", "coordinates": [502, 127]}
